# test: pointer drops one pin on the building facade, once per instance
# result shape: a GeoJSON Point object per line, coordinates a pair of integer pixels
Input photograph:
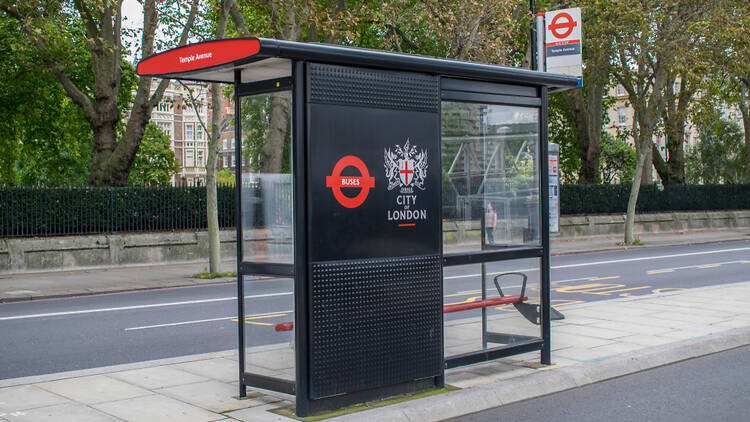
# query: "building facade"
{"type": "Point", "coordinates": [621, 116]}
{"type": "Point", "coordinates": [181, 120]}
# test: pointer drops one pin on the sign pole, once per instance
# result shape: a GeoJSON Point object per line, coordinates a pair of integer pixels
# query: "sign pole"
{"type": "Point", "coordinates": [533, 38]}
{"type": "Point", "coordinates": [540, 40]}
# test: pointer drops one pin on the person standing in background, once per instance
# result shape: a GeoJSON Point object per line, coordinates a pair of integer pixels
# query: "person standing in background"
{"type": "Point", "coordinates": [490, 221]}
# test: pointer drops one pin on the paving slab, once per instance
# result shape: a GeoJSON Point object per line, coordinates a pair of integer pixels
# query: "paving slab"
{"type": "Point", "coordinates": [158, 377]}
{"type": "Point", "coordinates": [629, 326]}
{"type": "Point", "coordinates": [27, 397]}
{"type": "Point", "coordinates": [213, 395]}
{"type": "Point", "coordinates": [261, 414]}
{"type": "Point", "coordinates": [219, 369]}
{"type": "Point", "coordinates": [157, 408]}
{"type": "Point", "coordinates": [94, 389]}
{"type": "Point", "coordinates": [587, 331]}
{"type": "Point", "coordinates": [68, 412]}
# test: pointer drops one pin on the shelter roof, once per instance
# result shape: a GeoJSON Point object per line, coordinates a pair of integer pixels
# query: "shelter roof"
{"type": "Point", "coordinates": [262, 59]}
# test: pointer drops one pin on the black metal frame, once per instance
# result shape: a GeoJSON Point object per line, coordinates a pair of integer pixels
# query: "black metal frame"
{"type": "Point", "coordinates": [272, 269]}
{"type": "Point", "coordinates": [490, 93]}
{"type": "Point", "coordinates": [462, 91]}
{"type": "Point", "coordinates": [459, 81]}
{"type": "Point", "coordinates": [451, 90]}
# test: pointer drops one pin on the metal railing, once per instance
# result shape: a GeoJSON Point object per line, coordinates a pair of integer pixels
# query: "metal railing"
{"type": "Point", "coordinates": [53, 211]}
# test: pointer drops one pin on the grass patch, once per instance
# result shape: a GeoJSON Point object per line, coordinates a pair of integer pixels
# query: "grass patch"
{"type": "Point", "coordinates": [636, 242]}
{"type": "Point", "coordinates": [208, 276]}
{"type": "Point", "coordinates": [288, 410]}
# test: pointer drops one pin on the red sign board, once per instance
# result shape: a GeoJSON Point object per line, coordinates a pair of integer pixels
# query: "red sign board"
{"type": "Point", "coordinates": [198, 56]}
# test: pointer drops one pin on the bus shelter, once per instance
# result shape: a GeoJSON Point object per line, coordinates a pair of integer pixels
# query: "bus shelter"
{"type": "Point", "coordinates": [392, 214]}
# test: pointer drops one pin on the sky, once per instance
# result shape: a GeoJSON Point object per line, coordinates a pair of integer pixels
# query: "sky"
{"type": "Point", "coordinates": [132, 12]}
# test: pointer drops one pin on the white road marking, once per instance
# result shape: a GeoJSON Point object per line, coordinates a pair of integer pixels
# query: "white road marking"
{"type": "Point", "coordinates": [690, 267]}
{"type": "Point", "coordinates": [198, 321]}
{"type": "Point", "coordinates": [128, 308]}
{"type": "Point", "coordinates": [197, 301]}
{"type": "Point", "coordinates": [647, 258]}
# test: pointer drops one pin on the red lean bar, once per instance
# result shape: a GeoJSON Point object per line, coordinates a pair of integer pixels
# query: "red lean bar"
{"type": "Point", "coordinates": [447, 309]}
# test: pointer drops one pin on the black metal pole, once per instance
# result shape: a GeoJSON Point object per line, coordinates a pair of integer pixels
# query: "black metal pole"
{"type": "Point", "coordinates": [544, 198]}
{"type": "Point", "coordinates": [532, 35]}
{"type": "Point", "coordinates": [238, 223]}
{"type": "Point", "coordinates": [301, 256]}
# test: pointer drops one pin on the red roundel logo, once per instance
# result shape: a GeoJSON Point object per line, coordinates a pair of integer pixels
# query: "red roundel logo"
{"type": "Point", "coordinates": [364, 182]}
{"type": "Point", "coordinates": [562, 25]}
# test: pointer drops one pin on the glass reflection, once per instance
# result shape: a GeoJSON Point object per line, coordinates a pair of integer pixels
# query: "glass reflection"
{"type": "Point", "coordinates": [490, 161]}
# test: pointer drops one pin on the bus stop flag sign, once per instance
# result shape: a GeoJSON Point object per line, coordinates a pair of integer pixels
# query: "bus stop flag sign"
{"type": "Point", "coordinates": [563, 42]}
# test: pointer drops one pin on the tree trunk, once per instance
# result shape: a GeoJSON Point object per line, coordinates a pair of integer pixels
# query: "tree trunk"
{"type": "Point", "coordinates": [587, 112]}
{"type": "Point", "coordinates": [272, 152]}
{"type": "Point", "coordinates": [212, 214]}
{"type": "Point", "coordinates": [671, 169]}
{"type": "Point", "coordinates": [744, 105]}
{"type": "Point", "coordinates": [634, 190]}
{"type": "Point", "coordinates": [647, 176]}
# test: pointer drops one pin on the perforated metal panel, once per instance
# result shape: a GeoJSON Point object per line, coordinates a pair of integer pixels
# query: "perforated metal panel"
{"type": "Point", "coordinates": [372, 88]}
{"type": "Point", "coordinates": [375, 322]}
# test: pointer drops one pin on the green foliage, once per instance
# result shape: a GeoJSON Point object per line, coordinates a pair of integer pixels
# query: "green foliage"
{"type": "Point", "coordinates": [63, 211]}
{"type": "Point", "coordinates": [562, 132]}
{"type": "Point", "coordinates": [225, 177]}
{"type": "Point", "coordinates": [44, 138]}
{"type": "Point", "coordinates": [719, 155]}
{"type": "Point", "coordinates": [256, 122]}
{"type": "Point", "coordinates": [610, 199]}
{"type": "Point", "coordinates": [617, 162]}
{"type": "Point", "coordinates": [155, 162]}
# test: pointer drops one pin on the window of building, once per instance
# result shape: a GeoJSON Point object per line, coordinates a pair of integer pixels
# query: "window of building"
{"type": "Point", "coordinates": [165, 127]}
{"type": "Point", "coordinates": [225, 143]}
{"type": "Point", "coordinates": [198, 131]}
{"type": "Point", "coordinates": [189, 131]}
{"type": "Point", "coordinates": [233, 162]}
{"type": "Point", "coordinates": [620, 90]}
{"type": "Point", "coordinates": [190, 158]}
{"type": "Point", "coordinates": [165, 105]}
{"type": "Point", "coordinates": [232, 143]}
{"type": "Point", "coordinates": [200, 157]}
{"type": "Point", "coordinates": [622, 116]}
{"type": "Point", "coordinates": [225, 162]}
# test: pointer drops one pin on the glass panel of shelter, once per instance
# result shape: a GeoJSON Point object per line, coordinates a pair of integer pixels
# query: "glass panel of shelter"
{"type": "Point", "coordinates": [267, 231]}
{"type": "Point", "coordinates": [490, 159]}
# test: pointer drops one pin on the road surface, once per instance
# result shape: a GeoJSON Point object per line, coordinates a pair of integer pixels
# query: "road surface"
{"type": "Point", "coordinates": [48, 336]}
{"type": "Point", "coordinates": [708, 388]}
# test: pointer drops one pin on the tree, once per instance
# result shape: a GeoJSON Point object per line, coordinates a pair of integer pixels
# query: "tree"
{"type": "Point", "coordinates": [731, 51]}
{"type": "Point", "coordinates": [562, 131]}
{"type": "Point", "coordinates": [155, 162]}
{"type": "Point", "coordinates": [617, 161]}
{"type": "Point", "coordinates": [719, 155]}
{"type": "Point", "coordinates": [587, 104]}
{"type": "Point", "coordinates": [43, 136]}
{"type": "Point", "coordinates": [52, 27]}
{"type": "Point", "coordinates": [650, 36]}
{"type": "Point", "coordinates": [225, 177]}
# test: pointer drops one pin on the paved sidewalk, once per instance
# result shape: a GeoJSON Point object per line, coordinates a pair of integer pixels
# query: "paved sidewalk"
{"type": "Point", "coordinates": [27, 286]}
{"type": "Point", "coordinates": [597, 341]}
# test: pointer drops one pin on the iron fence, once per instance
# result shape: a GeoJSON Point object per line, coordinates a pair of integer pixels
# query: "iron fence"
{"type": "Point", "coordinates": [52, 211]}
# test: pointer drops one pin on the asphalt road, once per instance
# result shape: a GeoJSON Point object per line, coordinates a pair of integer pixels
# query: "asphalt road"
{"type": "Point", "coordinates": [709, 388]}
{"type": "Point", "coordinates": [56, 335]}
